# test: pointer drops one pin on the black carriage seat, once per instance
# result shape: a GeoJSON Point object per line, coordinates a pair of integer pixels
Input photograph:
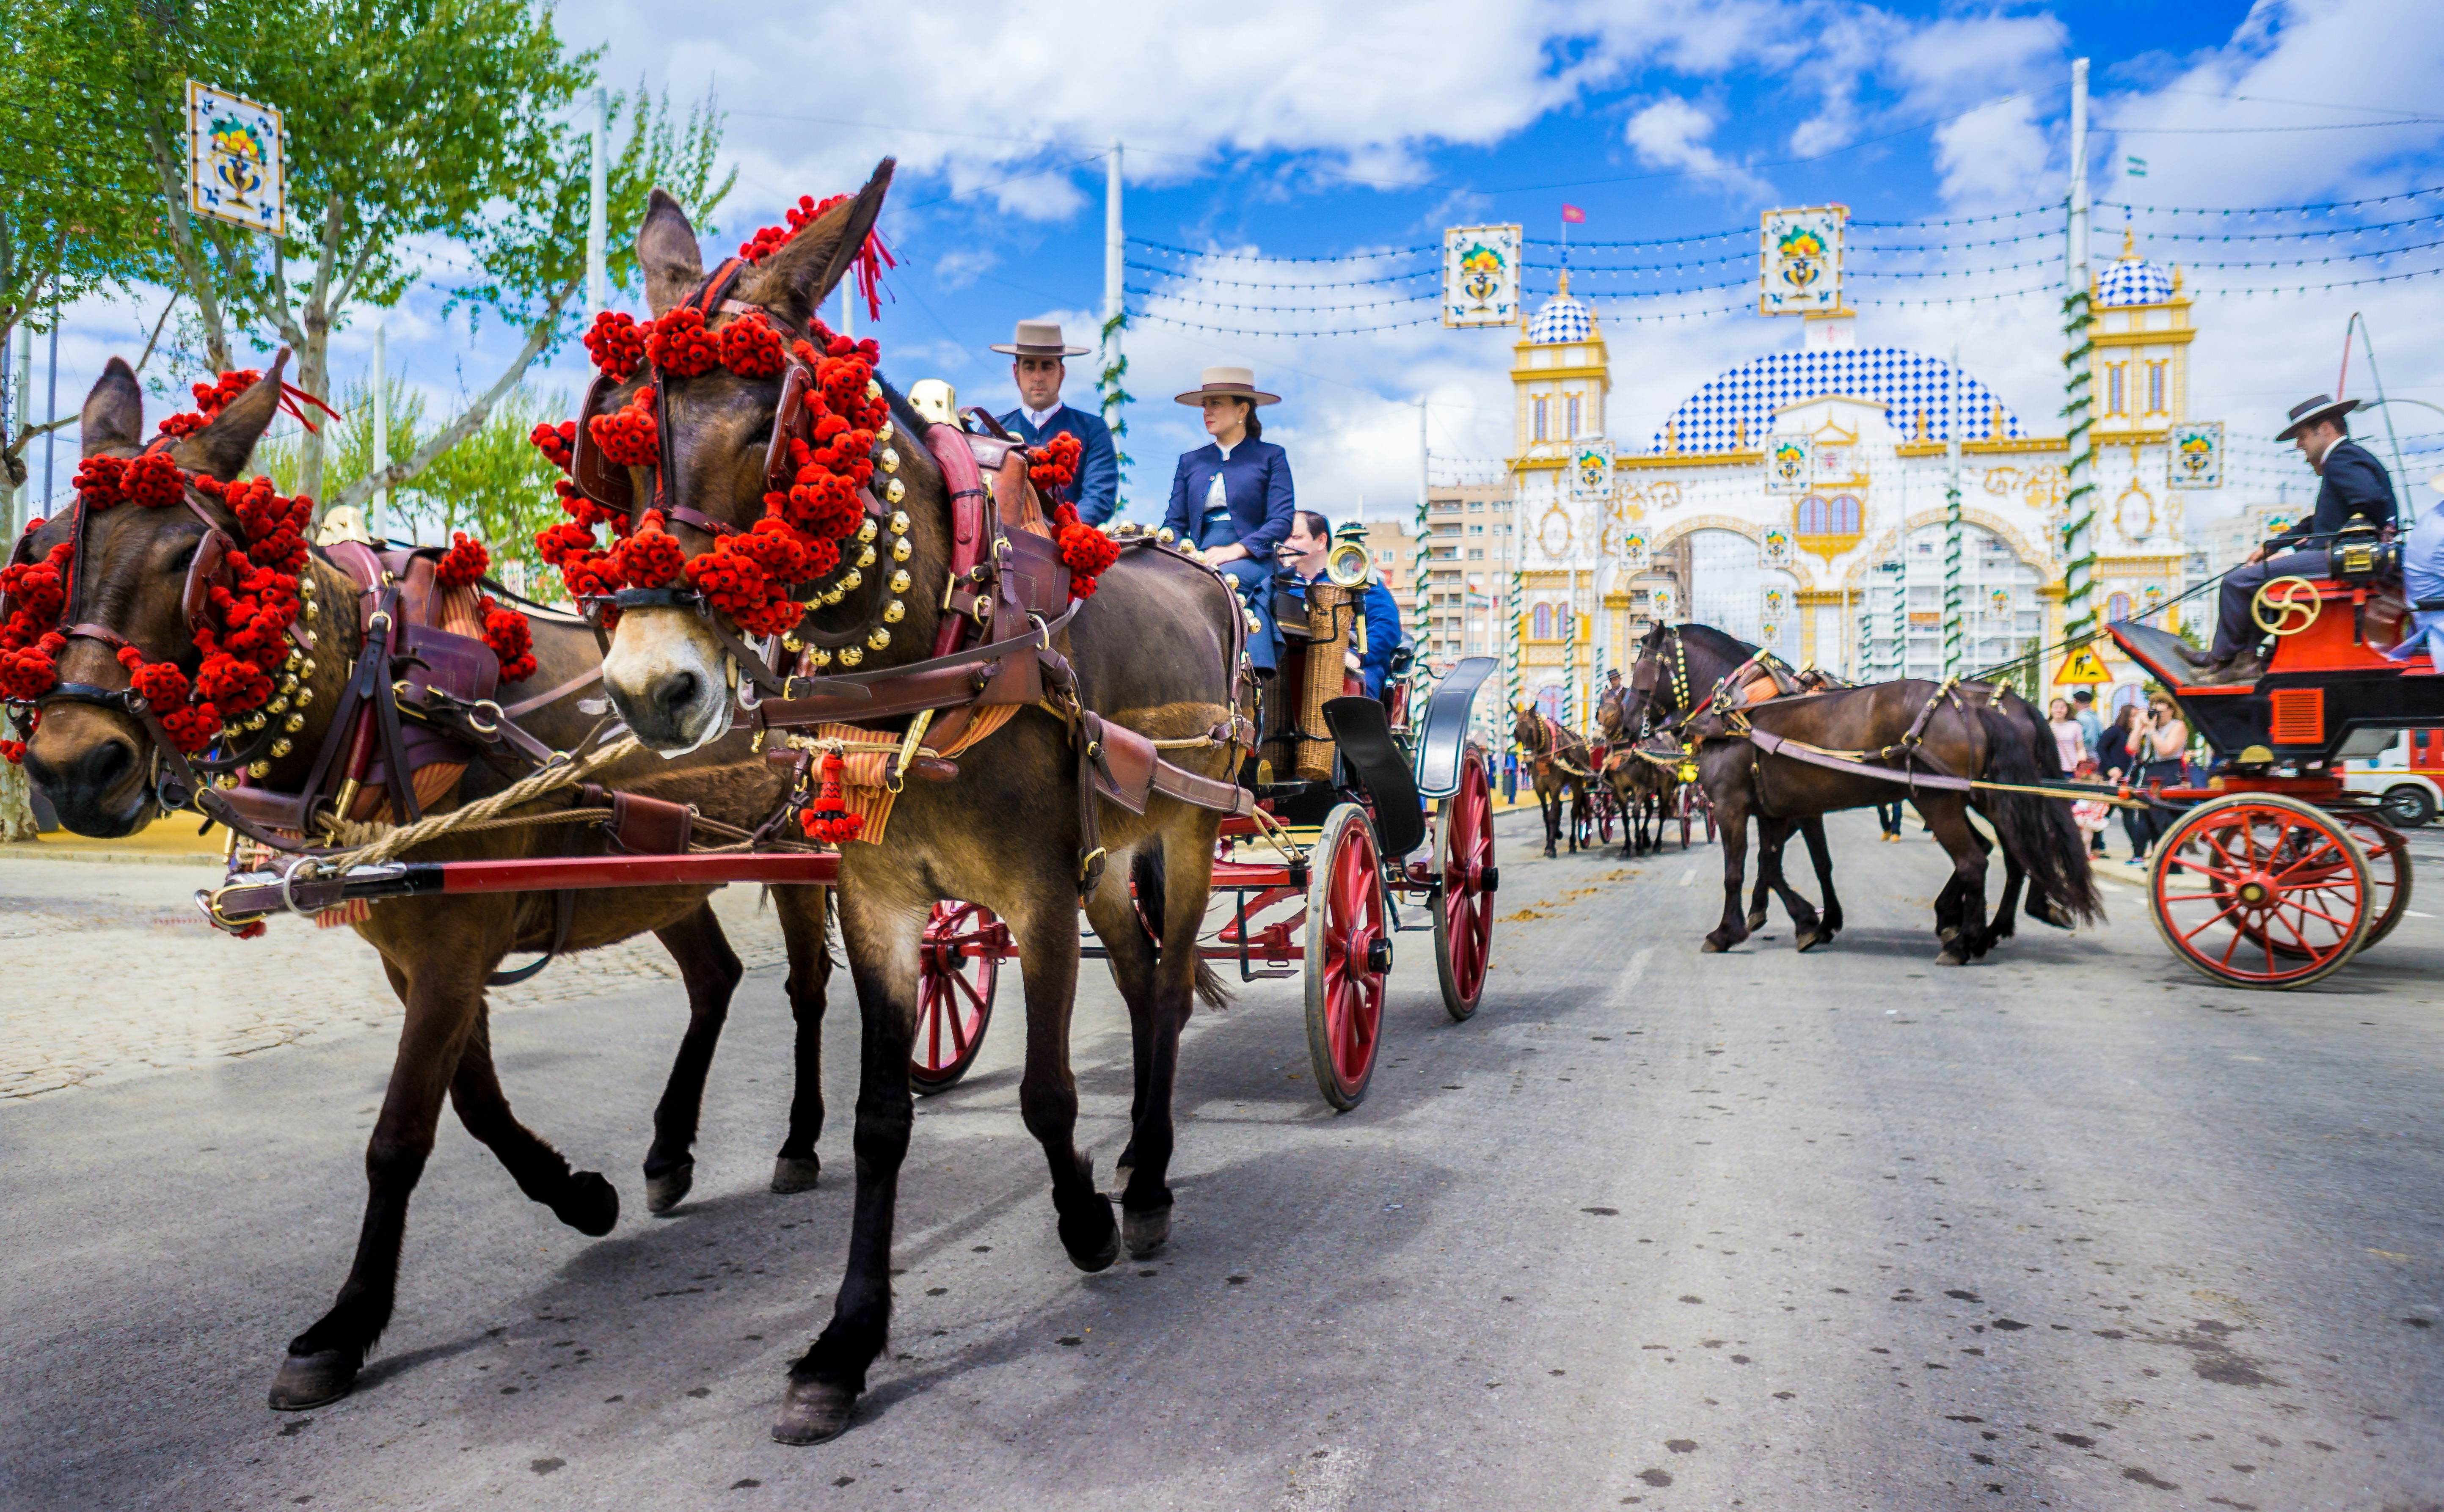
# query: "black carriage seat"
{"type": "Point", "coordinates": [1374, 758]}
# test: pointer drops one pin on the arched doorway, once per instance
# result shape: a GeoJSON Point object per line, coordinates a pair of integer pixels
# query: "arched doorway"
{"type": "Point", "coordinates": [1727, 590]}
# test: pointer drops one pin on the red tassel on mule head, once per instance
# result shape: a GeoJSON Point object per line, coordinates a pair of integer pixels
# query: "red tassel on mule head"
{"type": "Point", "coordinates": [829, 820]}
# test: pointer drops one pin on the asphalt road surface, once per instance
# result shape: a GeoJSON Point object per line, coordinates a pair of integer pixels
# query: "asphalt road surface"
{"type": "Point", "coordinates": [2069, 1228]}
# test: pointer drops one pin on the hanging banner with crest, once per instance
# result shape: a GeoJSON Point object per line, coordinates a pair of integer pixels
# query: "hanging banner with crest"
{"type": "Point", "coordinates": [1591, 470]}
{"type": "Point", "coordinates": [2198, 455]}
{"type": "Point", "coordinates": [1481, 275]}
{"type": "Point", "coordinates": [237, 160]}
{"type": "Point", "coordinates": [1799, 263]}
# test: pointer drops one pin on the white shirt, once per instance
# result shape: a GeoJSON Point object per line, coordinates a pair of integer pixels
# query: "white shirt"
{"type": "Point", "coordinates": [1040, 419]}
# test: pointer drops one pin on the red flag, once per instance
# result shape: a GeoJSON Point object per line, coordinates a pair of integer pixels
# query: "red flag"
{"type": "Point", "coordinates": [1572, 215]}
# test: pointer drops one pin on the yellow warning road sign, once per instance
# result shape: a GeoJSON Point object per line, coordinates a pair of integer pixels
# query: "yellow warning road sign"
{"type": "Point", "coordinates": [2083, 666]}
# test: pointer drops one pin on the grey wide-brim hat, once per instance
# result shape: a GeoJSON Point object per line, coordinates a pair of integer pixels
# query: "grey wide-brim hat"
{"type": "Point", "coordinates": [2324, 407]}
{"type": "Point", "coordinates": [1229, 383]}
{"type": "Point", "coordinates": [1039, 339]}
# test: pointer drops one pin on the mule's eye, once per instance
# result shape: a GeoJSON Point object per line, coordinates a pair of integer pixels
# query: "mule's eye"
{"type": "Point", "coordinates": [762, 435]}
{"type": "Point", "coordinates": [186, 559]}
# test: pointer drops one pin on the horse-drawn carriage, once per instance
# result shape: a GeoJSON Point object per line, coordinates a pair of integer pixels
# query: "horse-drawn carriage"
{"type": "Point", "coordinates": [1359, 803]}
{"type": "Point", "coordinates": [2275, 876]}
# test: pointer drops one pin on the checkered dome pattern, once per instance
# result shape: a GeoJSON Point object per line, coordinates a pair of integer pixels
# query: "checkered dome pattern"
{"type": "Point", "coordinates": [2134, 281]}
{"type": "Point", "coordinates": [1562, 319]}
{"type": "Point", "coordinates": [1904, 382]}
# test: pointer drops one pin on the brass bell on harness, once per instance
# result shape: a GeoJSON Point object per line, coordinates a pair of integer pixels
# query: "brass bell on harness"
{"type": "Point", "coordinates": [900, 580]}
{"type": "Point", "coordinates": [865, 529]}
{"type": "Point", "coordinates": [849, 582]}
{"type": "Point", "coordinates": [899, 522]}
{"type": "Point", "coordinates": [894, 491]}
{"type": "Point", "coordinates": [894, 611]}
{"type": "Point", "coordinates": [901, 550]}
{"type": "Point", "coordinates": [878, 638]}
{"type": "Point", "coordinates": [890, 459]}
{"type": "Point", "coordinates": [818, 657]}
{"type": "Point", "coordinates": [865, 558]}
{"type": "Point", "coordinates": [851, 656]}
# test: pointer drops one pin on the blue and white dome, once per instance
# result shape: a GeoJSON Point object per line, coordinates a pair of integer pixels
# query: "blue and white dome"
{"type": "Point", "coordinates": [2133, 280]}
{"type": "Point", "coordinates": [1562, 319]}
{"type": "Point", "coordinates": [1743, 399]}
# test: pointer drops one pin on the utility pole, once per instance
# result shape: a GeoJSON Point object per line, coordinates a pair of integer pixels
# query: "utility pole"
{"type": "Point", "coordinates": [381, 424]}
{"type": "Point", "coordinates": [1420, 578]}
{"type": "Point", "coordinates": [598, 282]}
{"type": "Point", "coordinates": [2078, 508]}
{"type": "Point", "coordinates": [1113, 364]}
{"type": "Point", "coordinates": [51, 411]}
{"type": "Point", "coordinates": [1952, 604]}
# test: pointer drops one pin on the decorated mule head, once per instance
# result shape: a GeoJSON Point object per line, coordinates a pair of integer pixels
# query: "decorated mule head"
{"type": "Point", "coordinates": [133, 629]}
{"type": "Point", "coordinates": [750, 465]}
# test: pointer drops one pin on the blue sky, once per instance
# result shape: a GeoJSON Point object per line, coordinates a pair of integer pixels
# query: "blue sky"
{"type": "Point", "coordinates": [1280, 129]}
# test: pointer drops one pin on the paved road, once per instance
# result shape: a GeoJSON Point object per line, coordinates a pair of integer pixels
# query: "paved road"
{"type": "Point", "coordinates": [2070, 1230]}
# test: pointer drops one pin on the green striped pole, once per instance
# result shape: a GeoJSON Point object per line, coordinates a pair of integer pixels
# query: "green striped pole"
{"type": "Point", "coordinates": [2079, 506]}
{"type": "Point", "coordinates": [1952, 599]}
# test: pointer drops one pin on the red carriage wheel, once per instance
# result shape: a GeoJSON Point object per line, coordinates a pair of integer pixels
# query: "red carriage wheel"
{"type": "Point", "coordinates": [1348, 955]}
{"type": "Point", "coordinates": [1685, 798]}
{"type": "Point", "coordinates": [2260, 890]}
{"type": "Point", "coordinates": [957, 966]}
{"type": "Point", "coordinates": [1606, 807]}
{"type": "Point", "coordinates": [2388, 862]}
{"type": "Point", "coordinates": [1464, 912]}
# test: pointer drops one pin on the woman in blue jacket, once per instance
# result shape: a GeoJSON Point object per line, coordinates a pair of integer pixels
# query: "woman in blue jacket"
{"type": "Point", "coordinates": [1233, 499]}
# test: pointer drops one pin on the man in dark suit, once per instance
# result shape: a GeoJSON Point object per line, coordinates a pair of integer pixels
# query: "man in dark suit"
{"type": "Point", "coordinates": [1037, 368]}
{"type": "Point", "coordinates": [1305, 553]}
{"type": "Point", "coordinates": [2354, 488]}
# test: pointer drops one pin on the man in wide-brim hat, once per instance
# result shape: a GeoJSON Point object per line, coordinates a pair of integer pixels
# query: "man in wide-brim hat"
{"type": "Point", "coordinates": [2354, 488]}
{"type": "Point", "coordinates": [1037, 367]}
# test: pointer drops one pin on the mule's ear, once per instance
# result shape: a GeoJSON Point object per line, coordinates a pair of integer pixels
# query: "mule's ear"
{"type": "Point", "coordinates": [223, 448]}
{"type": "Point", "coordinates": [667, 253]}
{"type": "Point", "coordinates": [794, 280]}
{"type": "Point", "coordinates": [114, 412]}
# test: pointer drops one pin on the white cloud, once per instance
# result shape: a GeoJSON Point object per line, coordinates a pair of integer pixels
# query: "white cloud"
{"type": "Point", "coordinates": [1670, 134]}
{"type": "Point", "coordinates": [1990, 157]}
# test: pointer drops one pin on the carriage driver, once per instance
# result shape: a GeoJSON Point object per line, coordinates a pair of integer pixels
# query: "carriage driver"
{"type": "Point", "coordinates": [1233, 500]}
{"type": "Point", "coordinates": [2355, 487]}
{"type": "Point", "coordinates": [1304, 553]}
{"type": "Point", "coordinates": [1037, 350]}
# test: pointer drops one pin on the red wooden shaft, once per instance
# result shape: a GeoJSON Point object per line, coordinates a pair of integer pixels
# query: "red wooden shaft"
{"type": "Point", "coordinates": [554, 872]}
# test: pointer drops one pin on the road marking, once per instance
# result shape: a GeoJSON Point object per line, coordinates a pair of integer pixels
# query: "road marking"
{"type": "Point", "coordinates": [2415, 914]}
{"type": "Point", "coordinates": [1690, 876]}
{"type": "Point", "coordinates": [1628, 983]}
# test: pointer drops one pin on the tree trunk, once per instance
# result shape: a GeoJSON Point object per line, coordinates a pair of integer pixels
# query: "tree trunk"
{"type": "Point", "coordinates": [16, 803]}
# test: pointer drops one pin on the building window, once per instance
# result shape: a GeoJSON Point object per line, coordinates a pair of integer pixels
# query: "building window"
{"type": "Point", "coordinates": [1811, 515]}
{"type": "Point", "coordinates": [1536, 425]}
{"type": "Point", "coordinates": [1574, 416]}
{"type": "Point", "coordinates": [2116, 607]}
{"type": "Point", "coordinates": [1542, 620]}
{"type": "Point", "coordinates": [2116, 388]}
{"type": "Point", "coordinates": [2155, 387]}
{"type": "Point", "coordinates": [1477, 555]}
{"type": "Point", "coordinates": [1843, 515]}
{"type": "Point", "coordinates": [1476, 529]}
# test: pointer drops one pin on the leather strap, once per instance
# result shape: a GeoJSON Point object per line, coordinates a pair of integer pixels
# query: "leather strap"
{"type": "Point", "coordinates": [582, 680]}
{"type": "Point", "coordinates": [564, 909]}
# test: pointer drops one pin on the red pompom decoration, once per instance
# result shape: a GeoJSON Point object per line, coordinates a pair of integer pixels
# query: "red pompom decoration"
{"type": "Point", "coordinates": [464, 565]}
{"type": "Point", "coordinates": [629, 436]}
{"type": "Point", "coordinates": [616, 343]}
{"type": "Point", "coordinates": [752, 349]}
{"type": "Point", "coordinates": [558, 443]}
{"type": "Point", "coordinates": [651, 556]}
{"type": "Point", "coordinates": [511, 640]}
{"type": "Point", "coordinates": [1086, 550]}
{"type": "Point", "coordinates": [677, 342]}
{"type": "Point", "coordinates": [1054, 465]}
{"type": "Point", "coordinates": [829, 820]}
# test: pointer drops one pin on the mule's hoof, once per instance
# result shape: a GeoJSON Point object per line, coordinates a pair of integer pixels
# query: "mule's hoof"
{"type": "Point", "coordinates": [1091, 1237]}
{"type": "Point", "coordinates": [1145, 1233]}
{"type": "Point", "coordinates": [1120, 1180]}
{"type": "Point", "coordinates": [667, 1191]}
{"type": "Point", "coordinates": [1811, 939]}
{"type": "Point", "coordinates": [2060, 917]}
{"type": "Point", "coordinates": [789, 1173]}
{"type": "Point", "coordinates": [1948, 933]}
{"type": "Point", "coordinates": [1952, 955]}
{"type": "Point", "coordinates": [812, 1412]}
{"type": "Point", "coordinates": [310, 1380]}
{"type": "Point", "coordinates": [1712, 947]}
{"type": "Point", "coordinates": [1757, 921]}
{"type": "Point", "coordinates": [591, 1204]}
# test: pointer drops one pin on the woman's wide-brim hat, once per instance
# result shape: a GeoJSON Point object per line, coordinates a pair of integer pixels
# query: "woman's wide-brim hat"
{"type": "Point", "coordinates": [1039, 339]}
{"type": "Point", "coordinates": [1229, 383]}
{"type": "Point", "coordinates": [2324, 407]}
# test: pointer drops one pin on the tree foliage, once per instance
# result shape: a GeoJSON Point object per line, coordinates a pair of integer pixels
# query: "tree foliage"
{"type": "Point", "coordinates": [427, 140]}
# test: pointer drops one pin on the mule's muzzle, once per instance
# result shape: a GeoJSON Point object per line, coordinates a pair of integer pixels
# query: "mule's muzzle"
{"type": "Point", "coordinates": [96, 787]}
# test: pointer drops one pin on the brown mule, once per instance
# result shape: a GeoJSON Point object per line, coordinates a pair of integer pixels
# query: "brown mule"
{"type": "Point", "coordinates": [96, 763]}
{"type": "Point", "coordinates": [1561, 791]}
{"type": "Point", "coordinates": [1152, 650]}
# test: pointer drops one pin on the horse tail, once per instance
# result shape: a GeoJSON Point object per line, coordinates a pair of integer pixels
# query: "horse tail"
{"type": "Point", "coordinates": [1145, 877]}
{"type": "Point", "coordinates": [2037, 830]}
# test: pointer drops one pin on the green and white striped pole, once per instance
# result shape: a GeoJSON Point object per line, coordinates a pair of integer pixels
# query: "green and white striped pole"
{"type": "Point", "coordinates": [2079, 506]}
{"type": "Point", "coordinates": [1951, 533]}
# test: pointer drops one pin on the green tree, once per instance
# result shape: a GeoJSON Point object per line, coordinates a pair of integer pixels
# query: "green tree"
{"type": "Point", "coordinates": [417, 130]}
{"type": "Point", "coordinates": [77, 208]}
